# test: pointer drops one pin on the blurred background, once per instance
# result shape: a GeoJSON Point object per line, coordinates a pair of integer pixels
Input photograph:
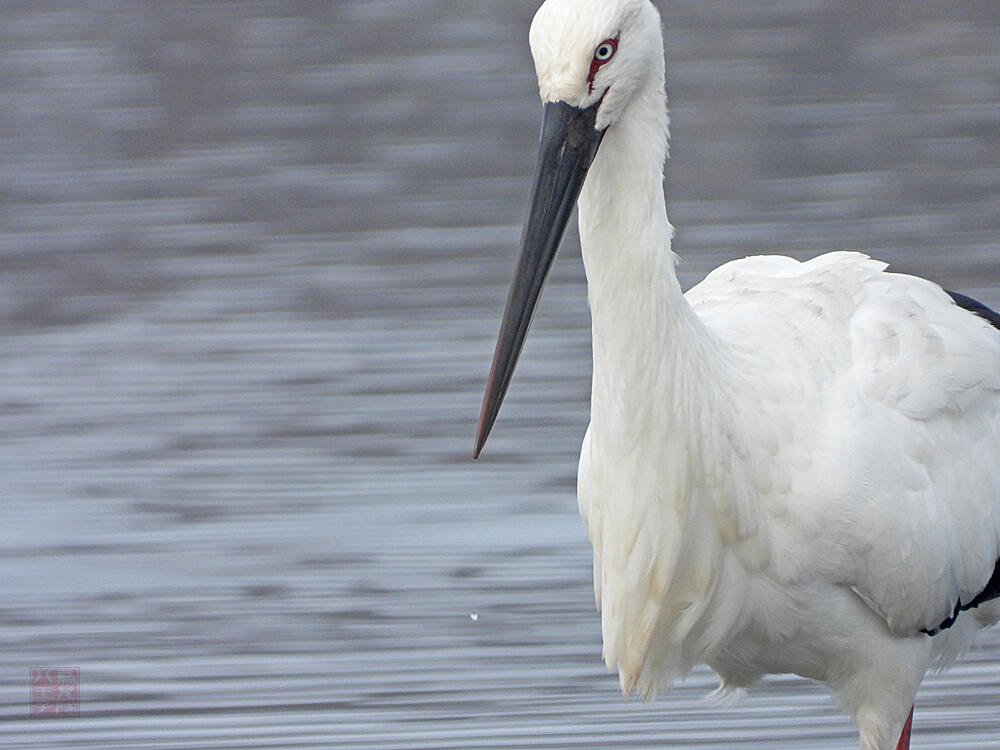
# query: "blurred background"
{"type": "Point", "coordinates": [252, 261]}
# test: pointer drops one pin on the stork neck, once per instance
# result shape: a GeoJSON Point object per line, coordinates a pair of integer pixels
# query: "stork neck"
{"type": "Point", "coordinates": [647, 339]}
{"type": "Point", "coordinates": [663, 419]}
{"type": "Point", "coordinates": [624, 231]}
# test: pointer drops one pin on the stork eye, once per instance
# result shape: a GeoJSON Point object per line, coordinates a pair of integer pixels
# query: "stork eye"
{"type": "Point", "coordinates": [605, 50]}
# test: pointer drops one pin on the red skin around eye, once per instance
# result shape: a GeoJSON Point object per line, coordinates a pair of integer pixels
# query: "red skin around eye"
{"type": "Point", "coordinates": [596, 64]}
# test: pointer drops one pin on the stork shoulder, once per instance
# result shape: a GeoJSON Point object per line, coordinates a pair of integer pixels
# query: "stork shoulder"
{"type": "Point", "coordinates": [899, 339]}
{"type": "Point", "coordinates": [837, 272]}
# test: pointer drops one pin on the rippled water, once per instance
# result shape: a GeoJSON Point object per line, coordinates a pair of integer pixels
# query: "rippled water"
{"type": "Point", "coordinates": [252, 260]}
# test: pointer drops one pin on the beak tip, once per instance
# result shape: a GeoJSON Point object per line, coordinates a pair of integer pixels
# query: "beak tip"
{"type": "Point", "coordinates": [480, 442]}
{"type": "Point", "coordinates": [485, 423]}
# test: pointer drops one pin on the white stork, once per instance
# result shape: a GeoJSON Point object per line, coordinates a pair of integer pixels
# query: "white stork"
{"type": "Point", "coordinates": [792, 468]}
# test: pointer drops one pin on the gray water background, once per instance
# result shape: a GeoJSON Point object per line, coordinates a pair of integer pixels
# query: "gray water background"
{"type": "Point", "coordinates": [252, 261]}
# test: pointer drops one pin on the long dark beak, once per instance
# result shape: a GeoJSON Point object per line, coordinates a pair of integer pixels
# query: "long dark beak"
{"type": "Point", "coordinates": [568, 145]}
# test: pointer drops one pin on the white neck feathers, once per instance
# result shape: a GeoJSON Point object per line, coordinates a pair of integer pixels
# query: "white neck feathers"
{"type": "Point", "coordinates": [660, 411]}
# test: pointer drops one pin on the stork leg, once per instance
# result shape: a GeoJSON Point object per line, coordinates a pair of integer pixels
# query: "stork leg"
{"type": "Point", "coordinates": [904, 737]}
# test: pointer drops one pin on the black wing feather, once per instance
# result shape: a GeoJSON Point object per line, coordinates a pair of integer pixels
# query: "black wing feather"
{"type": "Point", "coordinates": [977, 307]}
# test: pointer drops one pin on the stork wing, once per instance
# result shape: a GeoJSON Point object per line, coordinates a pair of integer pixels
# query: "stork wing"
{"type": "Point", "coordinates": [886, 397]}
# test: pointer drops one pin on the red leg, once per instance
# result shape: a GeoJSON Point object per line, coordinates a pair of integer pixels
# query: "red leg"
{"type": "Point", "coordinates": [904, 737]}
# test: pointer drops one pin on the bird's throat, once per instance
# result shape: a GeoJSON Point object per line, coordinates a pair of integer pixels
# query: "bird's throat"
{"type": "Point", "coordinates": [635, 299]}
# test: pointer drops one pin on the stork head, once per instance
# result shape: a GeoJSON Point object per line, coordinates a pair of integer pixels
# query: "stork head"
{"type": "Point", "coordinates": [595, 53]}
{"type": "Point", "coordinates": [592, 57]}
